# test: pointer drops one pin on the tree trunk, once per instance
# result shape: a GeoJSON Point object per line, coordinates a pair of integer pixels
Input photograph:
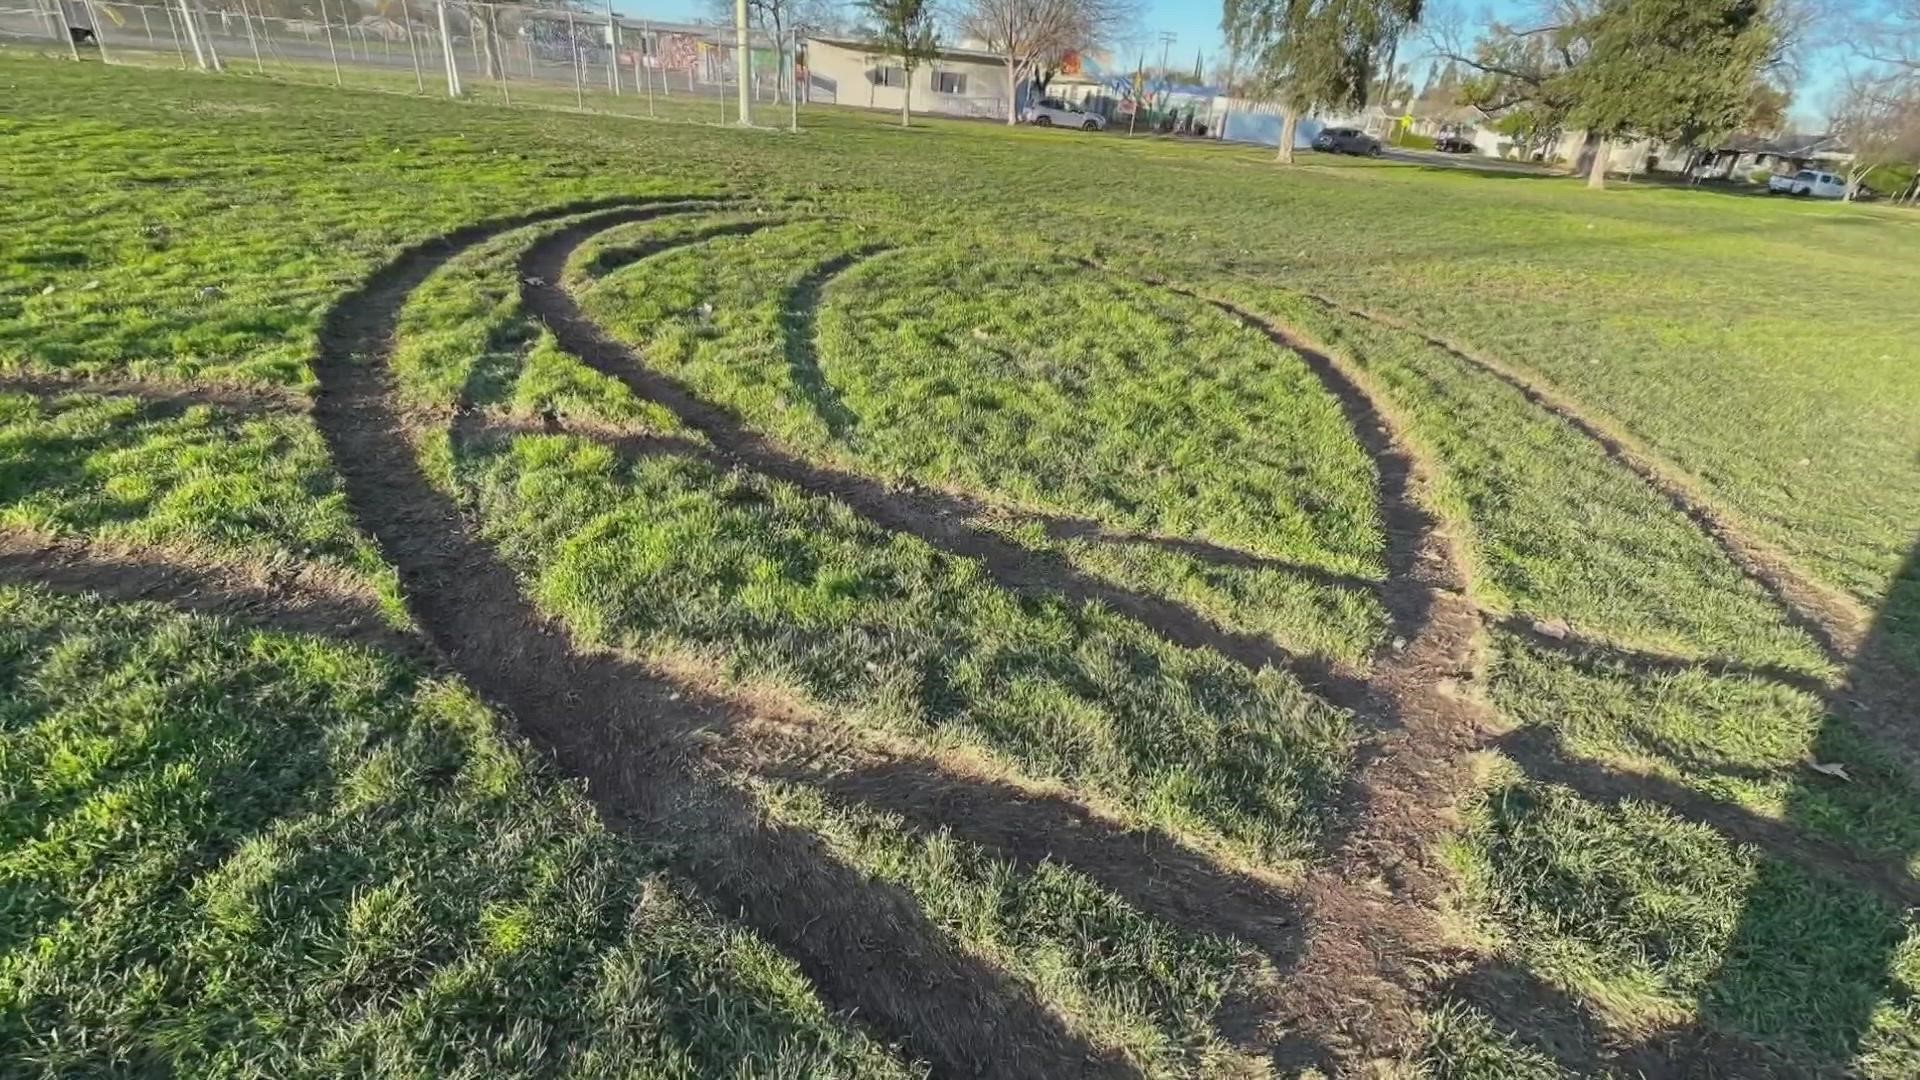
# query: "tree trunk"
{"type": "Point", "coordinates": [1013, 94]}
{"type": "Point", "coordinates": [1289, 127]}
{"type": "Point", "coordinates": [1597, 172]}
{"type": "Point", "coordinates": [906, 100]}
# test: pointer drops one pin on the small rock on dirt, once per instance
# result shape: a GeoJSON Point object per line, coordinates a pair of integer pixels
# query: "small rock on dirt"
{"type": "Point", "coordinates": [1557, 629]}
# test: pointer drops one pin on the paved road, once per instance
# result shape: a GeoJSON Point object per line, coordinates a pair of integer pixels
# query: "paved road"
{"type": "Point", "coordinates": [1469, 162]}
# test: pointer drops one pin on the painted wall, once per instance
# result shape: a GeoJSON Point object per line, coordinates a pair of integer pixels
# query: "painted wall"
{"type": "Point", "coordinates": [844, 75]}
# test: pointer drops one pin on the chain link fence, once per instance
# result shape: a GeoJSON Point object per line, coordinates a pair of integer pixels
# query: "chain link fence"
{"type": "Point", "coordinates": [502, 53]}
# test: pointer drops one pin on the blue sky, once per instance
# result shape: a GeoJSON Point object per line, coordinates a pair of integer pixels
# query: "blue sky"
{"type": "Point", "coordinates": [1196, 26]}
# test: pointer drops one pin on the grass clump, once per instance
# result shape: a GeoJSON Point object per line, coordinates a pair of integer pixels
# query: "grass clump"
{"type": "Point", "coordinates": [1125, 979]}
{"type": "Point", "coordinates": [1659, 921]}
{"type": "Point", "coordinates": [675, 556]}
{"type": "Point", "coordinates": [376, 881]}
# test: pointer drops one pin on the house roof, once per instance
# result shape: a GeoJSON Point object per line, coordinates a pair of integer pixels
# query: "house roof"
{"type": "Point", "coordinates": [943, 53]}
{"type": "Point", "coordinates": [1792, 145]}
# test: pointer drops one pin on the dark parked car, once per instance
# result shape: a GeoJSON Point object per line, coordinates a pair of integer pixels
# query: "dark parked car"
{"type": "Point", "coordinates": [1346, 140]}
{"type": "Point", "coordinates": [1454, 144]}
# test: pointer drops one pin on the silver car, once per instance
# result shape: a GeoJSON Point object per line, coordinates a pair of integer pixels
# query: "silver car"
{"type": "Point", "coordinates": [1346, 140]}
{"type": "Point", "coordinates": [1052, 112]}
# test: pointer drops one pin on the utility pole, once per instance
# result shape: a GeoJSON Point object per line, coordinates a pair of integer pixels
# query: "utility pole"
{"type": "Point", "coordinates": [1167, 38]}
{"type": "Point", "coordinates": [742, 62]}
{"type": "Point", "coordinates": [613, 51]}
{"type": "Point", "coordinates": [1139, 74]}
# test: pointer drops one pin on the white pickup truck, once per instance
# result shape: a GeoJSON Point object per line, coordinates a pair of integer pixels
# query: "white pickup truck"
{"type": "Point", "coordinates": [1808, 182]}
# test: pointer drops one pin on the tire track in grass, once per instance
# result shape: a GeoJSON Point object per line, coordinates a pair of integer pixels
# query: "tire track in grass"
{"type": "Point", "coordinates": [1830, 618]}
{"type": "Point", "coordinates": [305, 601]}
{"type": "Point", "coordinates": [161, 395]}
{"type": "Point", "coordinates": [1372, 933]}
{"type": "Point", "coordinates": [619, 258]}
{"type": "Point", "coordinates": [866, 946]}
{"type": "Point", "coordinates": [937, 520]}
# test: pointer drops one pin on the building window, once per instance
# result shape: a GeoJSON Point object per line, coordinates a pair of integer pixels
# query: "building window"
{"type": "Point", "coordinates": [949, 82]}
{"type": "Point", "coordinates": [890, 76]}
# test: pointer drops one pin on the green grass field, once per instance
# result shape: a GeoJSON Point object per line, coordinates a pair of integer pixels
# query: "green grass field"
{"type": "Point", "coordinates": [497, 591]}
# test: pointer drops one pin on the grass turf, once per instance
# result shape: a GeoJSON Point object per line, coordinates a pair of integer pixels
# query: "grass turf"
{"type": "Point", "coordinates": [181, 228]}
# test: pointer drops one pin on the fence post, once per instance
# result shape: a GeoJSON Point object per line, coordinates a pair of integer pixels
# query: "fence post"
{"type": "Point", "coordinates": [99, 32]}
{"type": "Point", "coordinates": [200, 20]}
{"type": "Point", "coordinates": [258, 66]}
{"type": "Point", "coordinates": [332, 53]}
{"type": "Point", "coordinates": [193, 35]}
{"type": "Point", "coordinates": [499, 54]}
{"type": "Point", "coordinates": [57, 22]}
{"type": "Point", "coordinates": [742, 62]}
{"type": "Point", "coordinates": [446, 50]}
{"type": "Point", "coordinates": [613, 51]}
{"type": "Point", "coordinates": [419, 81]}
{"type": "Point", "coordinates": [573, 47]}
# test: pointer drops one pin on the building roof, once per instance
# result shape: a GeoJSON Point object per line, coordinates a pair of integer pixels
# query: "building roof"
{"type": "Point", "coordinates": [1792, 145]}
{"type": "Point", "coordinates": [875, 48]}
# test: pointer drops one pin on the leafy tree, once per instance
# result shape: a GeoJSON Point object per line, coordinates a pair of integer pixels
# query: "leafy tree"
{"type": "Point", "coordinates": [1674, 70]}
{"type": "Point", "coordinates": [903, 28]}
{"type": "Point", "coordinates": [1678, 70]}
{"type": "Point", "coordinates": [1309, 54]}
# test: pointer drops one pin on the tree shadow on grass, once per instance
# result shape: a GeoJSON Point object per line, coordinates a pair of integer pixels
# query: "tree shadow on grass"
{"type": "Point", "coordinates": [1805, 981]}
{"type": "Point", "coordinates": [1812, 959]}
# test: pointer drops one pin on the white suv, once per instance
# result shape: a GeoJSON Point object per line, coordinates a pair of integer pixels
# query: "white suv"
{"type": "Point", "coordinates": [1807, 182]}
{"type": "Point", "coordinates": [1052, 112]}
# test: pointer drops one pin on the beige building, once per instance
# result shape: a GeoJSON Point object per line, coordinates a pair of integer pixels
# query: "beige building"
{"type": "Point", "coordinates": [956, 82]}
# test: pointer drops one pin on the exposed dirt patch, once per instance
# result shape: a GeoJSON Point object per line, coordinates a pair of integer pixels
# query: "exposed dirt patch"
{"type": "Point", "coordinates": [303, 601]}
{"type": "Point", "coordinates": [865, 945]}
{"type": "Point", "coordinates": [164, 395]}
{"type": "Point", "coordinates": [617, 258]}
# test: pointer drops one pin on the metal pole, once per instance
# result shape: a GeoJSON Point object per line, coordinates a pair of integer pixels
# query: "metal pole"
{"type": "Point", "coordinates": [793, 79]}
{"type": "Point", "coordinates": [193, 36]}
{"type": "Point", "coordinates": [573, 46]}
{"type": "Point", "coordinates": [419, 80]}
{"type": "Point", "coordinates": [213, 55]}
{"type": "Point", "coordinates": [99, 33]}
{"type": "Point", "coordinates": [331, 51]}
{"type": "Point", "coordinates": [57, 22]}
{"type": "Point", "coordinates": [258, 66]}
{"type": "Point", "coordinates": [742, 62]}
{"type": "Point", "coordinates": [500, 61]}
{"type": "Point", "coordinates": [639, 69]}
{"type": "Point", "coordinates": [446, 50]}
{"type": "Point", "coordinates": [613, 51]}
{"type": "Point", "coordinates": [173, 31]}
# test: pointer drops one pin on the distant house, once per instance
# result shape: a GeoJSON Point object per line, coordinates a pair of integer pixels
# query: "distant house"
{"type": "Point", "coordinates": [1742, 156]}
{"type": "Point", "coordinates": [955, 82]}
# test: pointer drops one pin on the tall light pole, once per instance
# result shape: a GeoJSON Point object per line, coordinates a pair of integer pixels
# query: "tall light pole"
{"type": "Point", "coordinates": [742, 62]}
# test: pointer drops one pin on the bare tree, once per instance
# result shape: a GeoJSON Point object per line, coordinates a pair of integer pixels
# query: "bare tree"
{"type": "Point", "coordinates": [1032, 35]}
{"type": "Point", "coordinates": [777, 17]}
{"type": "Point", "coordinates": [1879, 119]}
{"type": "Point", "coordinates": [1888, 34]}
